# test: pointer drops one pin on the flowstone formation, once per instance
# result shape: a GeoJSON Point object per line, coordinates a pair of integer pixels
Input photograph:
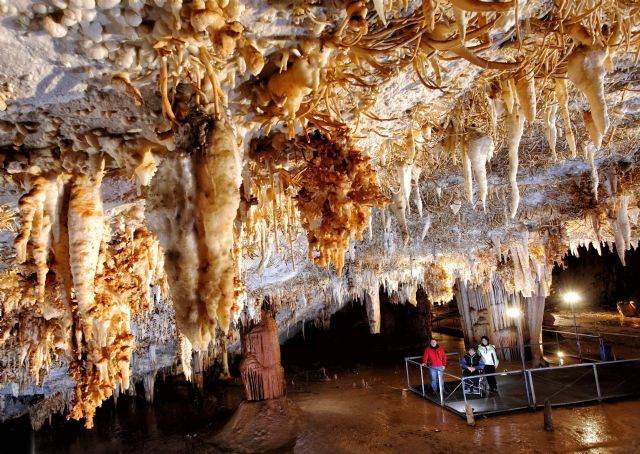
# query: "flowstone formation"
{"type": "Point", "coordinates": [168, 166]}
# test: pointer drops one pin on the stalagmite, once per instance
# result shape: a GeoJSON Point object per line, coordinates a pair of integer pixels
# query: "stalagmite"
{"type": "Point", "coordinates": [262, 374]}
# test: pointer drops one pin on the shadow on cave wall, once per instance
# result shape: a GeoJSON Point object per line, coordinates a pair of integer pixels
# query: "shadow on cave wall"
{"type": "Point", "coordinates": [601, 280]}
{"type": "Point", "coordinates": [404, 330]}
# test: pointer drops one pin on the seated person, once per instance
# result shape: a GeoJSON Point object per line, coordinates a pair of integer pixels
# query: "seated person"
{"type": "Point", "coordinates": [472, 364]}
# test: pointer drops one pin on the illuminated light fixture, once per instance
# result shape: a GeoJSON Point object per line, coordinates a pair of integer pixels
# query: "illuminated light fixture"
{"type": "Point", "coordinates": [571, 297]}
{"type": "Point", "coordinates": [560, 355]}
{"type": "Point", "coordinates": [514, 312]}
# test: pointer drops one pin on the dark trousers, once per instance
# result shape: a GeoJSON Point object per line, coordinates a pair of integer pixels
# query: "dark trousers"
{"type": "Point", "coordinates": [474, 382]}
{"type": "Point", "coordinates": [489, 369]}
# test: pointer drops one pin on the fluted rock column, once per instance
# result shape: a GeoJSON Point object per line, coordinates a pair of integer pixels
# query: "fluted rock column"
{"type": "Point", "coordinates": [267, 421]}
{"type": "Point", "coordinates": [260, 368]}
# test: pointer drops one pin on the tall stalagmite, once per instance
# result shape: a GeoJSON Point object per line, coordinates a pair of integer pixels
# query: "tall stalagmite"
{"type": "Point", "coordinates": [262, 373]}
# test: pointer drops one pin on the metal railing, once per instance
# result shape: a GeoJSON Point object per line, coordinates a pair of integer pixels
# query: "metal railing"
{"type": "Point", "coordinates": [529, 388]}
{"type": "Point", "coordinates": [590, 345]}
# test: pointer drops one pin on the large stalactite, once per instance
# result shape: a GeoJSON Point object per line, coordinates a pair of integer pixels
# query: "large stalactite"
{"type": "Point", "coordinates": [192, 208]}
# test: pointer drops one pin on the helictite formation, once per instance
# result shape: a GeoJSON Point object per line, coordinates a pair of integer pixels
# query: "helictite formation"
{"type": "Point", "coordinates": [169, 166]}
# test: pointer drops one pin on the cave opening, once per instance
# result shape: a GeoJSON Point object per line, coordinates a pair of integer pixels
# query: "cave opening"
{"type": "Point", "coordinates": [346, 339]}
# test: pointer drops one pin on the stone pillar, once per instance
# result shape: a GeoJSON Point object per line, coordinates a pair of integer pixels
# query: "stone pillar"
{"type": "Point", "coordinates": [424, 313]}
{"type": "Point", "coordinates": [483, 312]}
{"type": "Point", "coordinates": [260, 368]}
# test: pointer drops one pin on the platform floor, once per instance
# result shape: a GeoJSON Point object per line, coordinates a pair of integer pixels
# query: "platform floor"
{"type": "Point", "coordinates": [559, 385]}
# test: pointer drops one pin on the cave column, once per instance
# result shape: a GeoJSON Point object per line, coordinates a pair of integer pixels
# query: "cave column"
{"type": "Point", "coordinates": [464, 304]}
{"type": "Point", "coordinates": [260, 368]}
{"type": "Point", "coordinates": [424, 313]}
{"type": "Point", "coordinates": [535, 313]}
{"type": "Point", "coordinates": [504, 328]}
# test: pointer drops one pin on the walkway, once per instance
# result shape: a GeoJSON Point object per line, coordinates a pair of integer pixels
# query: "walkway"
{"type": "Point", "coordinates": [561, 385]}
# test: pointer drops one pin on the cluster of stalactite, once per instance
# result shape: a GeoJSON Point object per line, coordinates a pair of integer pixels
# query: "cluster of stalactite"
{"type": "Point", "coordinates": [76, 285]}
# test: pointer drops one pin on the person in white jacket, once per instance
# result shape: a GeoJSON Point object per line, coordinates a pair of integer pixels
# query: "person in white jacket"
{"type": "Point", "coordinates": [491, 361]}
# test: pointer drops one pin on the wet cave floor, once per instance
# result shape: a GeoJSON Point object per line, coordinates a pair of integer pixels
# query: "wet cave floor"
{"type": "Point", "coordinates": [359, 409]}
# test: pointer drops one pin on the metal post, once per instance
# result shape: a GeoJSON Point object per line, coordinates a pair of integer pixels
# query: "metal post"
{"type": "Point", "coordinates": [422, 379]}
{"type": "Point", "coordinates": [524, 367]}
{"type": "Point", "coordinates": [533, 391]}
{"type": "Point", "coordinates": [575, 328]}
{"type": "Point", "coordinates": [595, 374]}
{"type": "Point", "coordinates": [406, 364]}
{"type": "Point", "coordinates": [464, 393]}
{"type": "Point", "coordinates": [441, 386]}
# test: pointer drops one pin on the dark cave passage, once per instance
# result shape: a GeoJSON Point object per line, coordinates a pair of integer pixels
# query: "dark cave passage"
{"type": "Point", "coordinates": [404, 329]}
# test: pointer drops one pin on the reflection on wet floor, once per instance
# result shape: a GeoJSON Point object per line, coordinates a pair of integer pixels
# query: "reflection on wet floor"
{"type": "Point", "coordinates": [359, 409]}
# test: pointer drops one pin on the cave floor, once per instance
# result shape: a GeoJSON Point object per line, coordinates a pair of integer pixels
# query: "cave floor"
{"type": "Point", "coordinates": [366, 411]}
{"type": "Point", "coordinates": [359, 409]}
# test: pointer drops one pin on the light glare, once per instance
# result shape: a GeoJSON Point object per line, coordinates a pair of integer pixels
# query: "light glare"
{"type": "Point", "coordinates": [571, 297]}
{"type": "Point", "coordinates": [514, 312]}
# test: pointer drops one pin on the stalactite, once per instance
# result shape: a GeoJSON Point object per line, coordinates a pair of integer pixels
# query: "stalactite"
{"type": "Point", "coordinates": [480, 151]}
{"type": "Point", "coordinates": [622, 228]}
{"type": "Point", "coordinates": [86, 227]}
{"type": "Point", "coordinates": [551, 131]}
{"type": "Point", "coordinates": [186, 353]}
{"type": "Point", "coordinates": [372, 301]}
{"type": "Point", "coordinates": [562, 96]}
{"type": "Point", "coordinates": [193, 218]}
{"type": "Point", "coordinates": [516, 128]}
{"type": "Point", "coordinates": [594, 170]}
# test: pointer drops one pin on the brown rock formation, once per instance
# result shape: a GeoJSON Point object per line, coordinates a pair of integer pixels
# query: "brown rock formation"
{"type": "Point", "coordinates": [267, 421]}
{"type": "Point", "coordinates": [262, 374]}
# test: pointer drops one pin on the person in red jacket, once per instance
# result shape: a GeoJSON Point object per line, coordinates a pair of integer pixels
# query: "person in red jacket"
{"type": "Point", "coordinates": [436, 359]}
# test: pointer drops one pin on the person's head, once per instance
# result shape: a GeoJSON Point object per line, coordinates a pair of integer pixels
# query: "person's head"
{"type": "Point", "coordinates": [471, 351]}
{"type": "Point", "coordinates": [484, 340]}
{"type": "Point", "coordinates": [433, 343]}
